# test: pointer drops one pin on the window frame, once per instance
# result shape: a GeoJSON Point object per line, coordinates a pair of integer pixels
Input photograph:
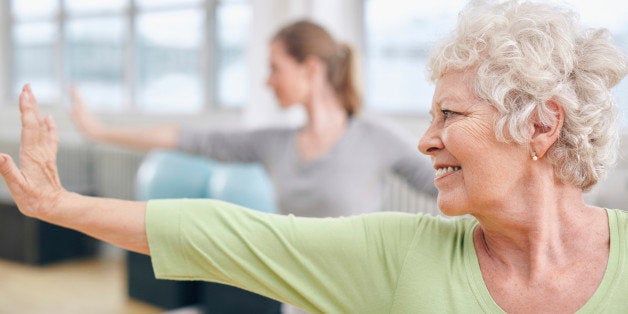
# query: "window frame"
{"type": "Point", "coordinates": [209, 51]}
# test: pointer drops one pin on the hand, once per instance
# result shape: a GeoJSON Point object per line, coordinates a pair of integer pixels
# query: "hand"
{"type": "Point", "coordinates": [85, 120]}
{"type": "Point", "coordinates": [35, 188]}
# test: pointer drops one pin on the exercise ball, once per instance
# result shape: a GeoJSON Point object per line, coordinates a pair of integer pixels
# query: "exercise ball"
{"type": "Point", "coordinates": [246, 185]}
{"type": "Point", "coordinates": [170, 174]}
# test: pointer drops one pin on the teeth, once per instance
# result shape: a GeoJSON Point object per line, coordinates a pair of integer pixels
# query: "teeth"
{"type": "Point", "coordinates": [442, 171]}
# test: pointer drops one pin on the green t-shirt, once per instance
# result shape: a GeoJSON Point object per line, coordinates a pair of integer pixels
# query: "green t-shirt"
{"type": "Point", "coordinates": [376, 263]}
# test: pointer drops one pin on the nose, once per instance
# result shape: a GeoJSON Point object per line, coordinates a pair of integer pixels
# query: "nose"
{"type": "Point", "coordinates": [431, 140]}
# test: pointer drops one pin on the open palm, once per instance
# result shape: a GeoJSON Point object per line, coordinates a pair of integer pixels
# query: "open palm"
{"type": "Point", "coordinates": [83, 118]}
{"type": "Point", "coordinates": [35, 186]}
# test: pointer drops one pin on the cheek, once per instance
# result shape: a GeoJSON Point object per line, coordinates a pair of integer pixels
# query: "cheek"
{"type": "Point", "coordinates": [290, 80]}
{"type": "Point", "coordinates": [279, 90]}
{"type": "Point", "coordinates": [303, 87]}
{"type": "Point", "coordinates": [295, 88]}
{"type": "Point", "coordinates": [283, 85]}
{"type": "Point", "coordinates": [467, 141]}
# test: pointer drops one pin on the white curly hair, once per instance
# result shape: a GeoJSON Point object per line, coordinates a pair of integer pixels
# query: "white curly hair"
{"type": "Point", "coordinates": [527, 53]}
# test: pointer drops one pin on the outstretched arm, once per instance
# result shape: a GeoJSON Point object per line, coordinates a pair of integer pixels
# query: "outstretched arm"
{"type": "Point", "coordinates": [161, 136]}
{"type": "Point", "coordinates": [38, 193]}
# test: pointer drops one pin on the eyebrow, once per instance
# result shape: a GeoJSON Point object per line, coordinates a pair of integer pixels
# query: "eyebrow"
{"type": "Point", "coordinates": [433, 112]}
{"type": "Point", "coordinates": [449, 98]}
{"type": "Point", "coordinates": [437, 106]}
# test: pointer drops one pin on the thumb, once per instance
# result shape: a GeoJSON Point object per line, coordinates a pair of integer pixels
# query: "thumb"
{"type": "Point", "coordinates": [10, 172]}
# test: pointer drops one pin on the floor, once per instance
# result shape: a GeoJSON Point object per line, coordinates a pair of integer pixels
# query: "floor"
{"type": "Point", "coordinates": [87, 286]}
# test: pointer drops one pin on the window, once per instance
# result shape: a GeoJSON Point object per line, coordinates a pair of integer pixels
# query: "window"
{"type": "Point", "coordinates": [400, 34]}
{"type": "Point", "coordinates": [35, 35]}
{"type": "Point", "coordinates": [232, 68]}
{"type": "Point", "coordinates": [169, 64]}
{"type": "Point", "coordinates": [93, 54]}
{"type": "Point", "coordinates": [156, 56]}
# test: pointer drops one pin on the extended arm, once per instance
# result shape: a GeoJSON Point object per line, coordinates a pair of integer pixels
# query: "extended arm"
{"type": "Point", "coordinates": [37, 191]}
{"type": "Point", "coordinates": [147, 138]}
{"type": "Point", "coordinates": [346, 265]}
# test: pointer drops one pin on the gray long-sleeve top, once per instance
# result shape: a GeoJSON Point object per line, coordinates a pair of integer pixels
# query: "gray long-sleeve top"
{"type": "Point", "coordinates": [347, 180]}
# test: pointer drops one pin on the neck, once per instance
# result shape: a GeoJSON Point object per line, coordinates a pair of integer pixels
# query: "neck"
{"type": "Point", "coordinates": [327, 122]}
{"type": "Point", "coordinates": [533, 237]}
{"type": "Point", "coordinates": [325, 115]}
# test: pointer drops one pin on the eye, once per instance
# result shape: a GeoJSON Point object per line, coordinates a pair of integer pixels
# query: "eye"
{"type": "Point", "coordinates": [447, 113]}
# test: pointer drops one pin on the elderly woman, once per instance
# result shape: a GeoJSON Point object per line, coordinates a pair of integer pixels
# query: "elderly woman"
{"type": "Point", "coordinates": [522, 126]}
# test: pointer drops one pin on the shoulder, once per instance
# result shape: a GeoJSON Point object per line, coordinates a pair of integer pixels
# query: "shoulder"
{"type": "Point", "coordinates": [423, 225]}
{"type": "Point", "coordinates": [430, 241]}
{"type": "Point", "coordinates": [622, 218]}
{"type": "Point", "coordinates": [622, 215]}
{"type": "Point", "coordinates": [446, 228]}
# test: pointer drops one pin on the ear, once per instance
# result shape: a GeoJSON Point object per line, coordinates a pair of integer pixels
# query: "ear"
{"type": "Point", "coordinates": [546, 135]}
{"type": "Point", "coordinates": [314, 67]}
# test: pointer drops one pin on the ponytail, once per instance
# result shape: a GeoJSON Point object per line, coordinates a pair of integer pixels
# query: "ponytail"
{"type": "Point", "coordinates": [343, 78]}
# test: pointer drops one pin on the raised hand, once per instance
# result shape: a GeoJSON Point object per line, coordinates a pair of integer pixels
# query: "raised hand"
{"type": "Point", "coordinates": [35, 186]}
{"type": "Point", "coordinates": [84, 119]}
{"type": "Point", "coordinates": [142, 138]}
{"type": "Point", "coordinates": [37, 191]}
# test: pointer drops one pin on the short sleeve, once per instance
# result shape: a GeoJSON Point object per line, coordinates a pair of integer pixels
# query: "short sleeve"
{"type": "Point", "coordinates": [331, 265]}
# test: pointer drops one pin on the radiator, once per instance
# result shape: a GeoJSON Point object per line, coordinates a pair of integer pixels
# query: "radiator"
{"type": "Point", "coordinates": [400, 196]}
{"type": "Point", "coordinates": [115, 170]}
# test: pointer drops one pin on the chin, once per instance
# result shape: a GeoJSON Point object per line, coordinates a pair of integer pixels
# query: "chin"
{"type": "Point", "coordinates": [451, 207]}
{"type": "Point", "coordinates": [291, 106]}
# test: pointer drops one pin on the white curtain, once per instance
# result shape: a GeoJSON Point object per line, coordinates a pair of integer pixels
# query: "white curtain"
{"type": "Point", "coordinates": [342, 18]}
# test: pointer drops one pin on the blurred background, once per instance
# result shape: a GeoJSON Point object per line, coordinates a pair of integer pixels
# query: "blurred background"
{"type": "Point", "coordinates": [204, 62]}
{"type": "Point", "coordinates": [194, 59]}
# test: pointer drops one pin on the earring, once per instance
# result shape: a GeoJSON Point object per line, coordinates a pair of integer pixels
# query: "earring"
{"type": "Point", "coordinates": [534, 158]}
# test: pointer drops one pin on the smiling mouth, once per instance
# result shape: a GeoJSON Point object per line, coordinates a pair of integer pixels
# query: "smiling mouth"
{"type": "Point", "coordinates": [443, 171]}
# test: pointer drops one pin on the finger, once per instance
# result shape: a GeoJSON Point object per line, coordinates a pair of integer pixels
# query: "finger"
{"type": "Point", "coordinates": [53, 136]}
{"type": "Point", "coordinates": [51, 127]}
{"type": "Point", "coordinates": [10, 172]}
{"type": "Point", "coordinates": [28, 102]}
{"type": "Point", "coordinates": [30, 91]}
{"type": "Point", "coordinates": [30, 117]}
{"type": "Point", "coordinates": [42, 123]}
